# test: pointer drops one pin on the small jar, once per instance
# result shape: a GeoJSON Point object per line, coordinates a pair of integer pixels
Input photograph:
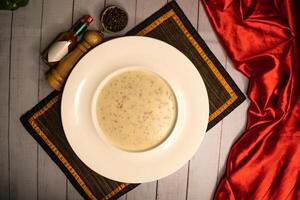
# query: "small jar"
{"type": "Point", "coordinates": [113, 19]}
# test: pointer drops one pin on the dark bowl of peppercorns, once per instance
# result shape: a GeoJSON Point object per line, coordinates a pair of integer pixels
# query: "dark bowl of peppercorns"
{"type": "Point", "coordinates": [113, 19]}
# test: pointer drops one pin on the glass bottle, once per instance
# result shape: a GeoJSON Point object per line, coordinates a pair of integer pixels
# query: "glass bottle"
{"type": "Point", "coordinates": [65, 42]}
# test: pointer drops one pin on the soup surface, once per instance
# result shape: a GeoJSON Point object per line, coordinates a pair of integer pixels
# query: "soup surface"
{"type": "Point", "coordinates": [136, 110]}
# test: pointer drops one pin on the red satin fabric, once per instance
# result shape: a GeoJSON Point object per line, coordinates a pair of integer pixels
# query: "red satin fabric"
{"type": "Point", "coordinates": [262, 39]}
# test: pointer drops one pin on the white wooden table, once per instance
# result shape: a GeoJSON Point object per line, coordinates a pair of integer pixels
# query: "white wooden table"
{"type": "Point", "coordinates": [26, 171]}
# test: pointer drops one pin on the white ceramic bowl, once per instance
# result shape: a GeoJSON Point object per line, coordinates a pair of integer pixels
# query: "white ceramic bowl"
{"type": "Point", "coordinates": [160, 58]}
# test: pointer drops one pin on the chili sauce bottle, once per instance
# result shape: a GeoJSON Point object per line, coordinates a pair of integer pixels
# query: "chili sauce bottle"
{"type": "Point", "coordinates": [65, 42]}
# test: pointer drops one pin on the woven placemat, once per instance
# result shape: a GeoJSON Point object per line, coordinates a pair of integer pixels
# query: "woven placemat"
{"type": "Point", "coordinates": [169, 24]}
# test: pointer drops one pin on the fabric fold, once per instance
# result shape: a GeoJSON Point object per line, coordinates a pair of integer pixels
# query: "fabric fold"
{"type": "Point", "coordinates": [262, 39]}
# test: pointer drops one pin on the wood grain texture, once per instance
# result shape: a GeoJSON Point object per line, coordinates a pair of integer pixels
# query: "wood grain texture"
{"type": "Point", "coordinates": [55, 19]}
{"type": "Point", "coordinates": [26, 171]}
{"type": "Point", "coordinates": [58, 74]}
{"type": "Point", "coordinates": [234, 124]}
{"type": "Point", "coordinates": [203, 172]}
{"type": "Point", "coordinates": [145, 191]}
{"type": "Point", "coordinates": [80, 8]}
{"type": "Point", "coordinates": [5, 39]}
{"type": "Point", "coordinates": [26, 31]}
{"type": "Point", "coordinates": [72, 193]}
{"type": "Point", "coordinates": [130, 7]}
{"type": "Point", "coordinates": [190, 9]}
{"type": "Point", "coordinates": [175, 185]}
{"type": "Point", "coordinates": [143, 10]}
{"type": "Point", "coordinates": [91, 7]}
{"type": "Point", "coordinates": [204, 27]}
{"type": "Point", "coordinates": [204, 167]}
{"type": "Point", "coordinates": [124, 197]}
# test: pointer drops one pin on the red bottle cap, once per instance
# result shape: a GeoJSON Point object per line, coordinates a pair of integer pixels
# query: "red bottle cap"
{"type": "Point", "coordinates": [88, 19]}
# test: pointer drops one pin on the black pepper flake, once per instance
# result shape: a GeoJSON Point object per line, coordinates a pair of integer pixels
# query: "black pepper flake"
{"type": "Point", "coordinates": [114, 19]}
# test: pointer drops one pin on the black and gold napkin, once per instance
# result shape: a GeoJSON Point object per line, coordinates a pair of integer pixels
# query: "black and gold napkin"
{"type": "Point", "coordinates": [169, 24]}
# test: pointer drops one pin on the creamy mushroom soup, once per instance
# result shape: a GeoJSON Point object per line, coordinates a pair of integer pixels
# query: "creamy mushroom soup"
{"type": "Point", "coordinates": [136, 110]}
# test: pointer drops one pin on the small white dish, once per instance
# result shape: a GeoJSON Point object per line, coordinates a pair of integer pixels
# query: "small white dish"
{"type": "Point", "coordinates": [152, 55]}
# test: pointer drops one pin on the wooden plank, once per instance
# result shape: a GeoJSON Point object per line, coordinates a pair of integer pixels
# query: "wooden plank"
{"type": "Point", "coordinates": [190, 9]}
{"type": "Point", "coordinates": [93, 8]}
{"type": "Point", "coordinates": [124, 197]}
{"type": "Point", "coordinates": [203, 173]}
{"type": "Point", "coordinates": [25, 46]}
{"type": "Point", "coordinates": [144, 9]}
{"type": "Point", "coordinates": [204, 28]}
{"type": "Point", "coordinates": [232, 130]}
{"type": "Point", "coordinates": [175, 186]}
{"type": "Point", "coordinates": [141, 192]}
{"type": "Point", "coordinates": [204, 167]}
{"type": "Point", "coordinates": [72, 193]}
{"type": "Point", "coordinates": [146, 191]}
{"type": "Point", "coordinates": [5, 38]}
{"type": "Point", "coordinates": [56, 19]}
{"type": "Point", "coordinates": [130, 7]}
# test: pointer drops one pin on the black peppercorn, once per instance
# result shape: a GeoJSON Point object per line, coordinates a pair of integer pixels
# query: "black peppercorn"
{"type": "Point", "coordinates": [113, 19]}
